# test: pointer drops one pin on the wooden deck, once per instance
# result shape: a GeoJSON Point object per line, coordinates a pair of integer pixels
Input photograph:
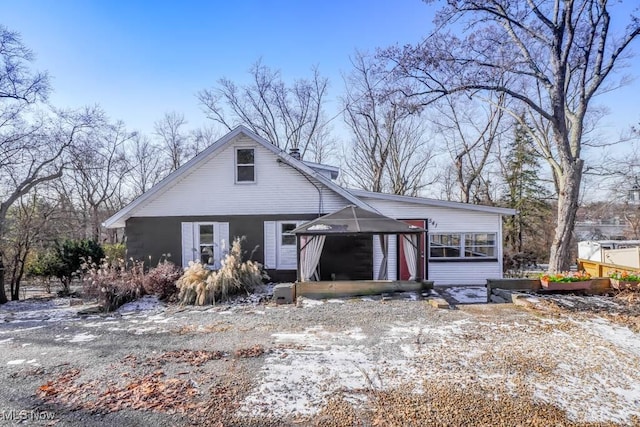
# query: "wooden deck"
{"type": "Point", "coordinates": [337, 289]}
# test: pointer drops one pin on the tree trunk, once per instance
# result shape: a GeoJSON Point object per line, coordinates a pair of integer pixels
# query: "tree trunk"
{"type": "Point", "coordinates": [567, 208]}
{"type": "Point", "coordinates": [3, 294]}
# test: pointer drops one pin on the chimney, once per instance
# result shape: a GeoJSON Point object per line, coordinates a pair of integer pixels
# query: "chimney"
{"type": "Point", "coordinates": [294, 152]}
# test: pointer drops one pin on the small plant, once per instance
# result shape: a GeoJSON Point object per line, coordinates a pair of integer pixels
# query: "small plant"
{"type": "Point", "coordinates": [566, 277]}
{"type": "Point", "coordinates": [161, 280]}
{"type": "Point", "coordinates": [201, 286]}
{"type": "Point", "coordinates": [625, 276]}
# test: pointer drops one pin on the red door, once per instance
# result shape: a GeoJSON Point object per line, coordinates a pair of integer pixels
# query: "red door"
{"type": "Point", "coordinates": [404, 270]}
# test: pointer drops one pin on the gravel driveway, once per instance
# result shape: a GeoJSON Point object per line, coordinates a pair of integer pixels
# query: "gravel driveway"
{"type": "Point", "coordinates": [338, 362]}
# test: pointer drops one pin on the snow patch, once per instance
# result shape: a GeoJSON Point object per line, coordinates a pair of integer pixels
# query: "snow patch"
{"type": "Point", "coordinates": [467, 294]}
{"type": "Point", "coordinates": [146, 303]}
{"type": "Point", "coordinates": [83, 337]}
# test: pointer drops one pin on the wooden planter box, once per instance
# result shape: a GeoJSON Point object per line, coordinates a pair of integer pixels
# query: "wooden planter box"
{"type": "Point", "coordinates": [566, 286]}
{"type": "Point", "coordinates": [624, 284]}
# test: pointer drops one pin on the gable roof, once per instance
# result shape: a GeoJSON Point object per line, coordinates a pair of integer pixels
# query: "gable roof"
{"type": "Point", "coordinates": [433, 202]}
{"type": "Point", "coordinates": [354, 220]}
{"type": "Point", "coordinates": [119, 218]}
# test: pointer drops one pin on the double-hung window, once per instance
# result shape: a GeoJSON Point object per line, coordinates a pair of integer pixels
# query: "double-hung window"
{"type": "Point", "coordinates": [462, 245]}
{"type": "Point", "coordinates": [285, 232]}
{"type": "Point", "coordinates": [206, 243]}
{"type": "Point", "coordinates": [245, 165]}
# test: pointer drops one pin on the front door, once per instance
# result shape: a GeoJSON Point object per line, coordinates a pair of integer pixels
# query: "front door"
{"type": "Point", "coordinates": [404, 269]}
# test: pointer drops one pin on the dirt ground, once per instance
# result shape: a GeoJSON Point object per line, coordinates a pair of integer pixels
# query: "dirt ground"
{"type": "Point", "coordinates": [563, 360]}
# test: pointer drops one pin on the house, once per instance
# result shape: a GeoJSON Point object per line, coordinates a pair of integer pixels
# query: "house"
{"type": "Point", "coordinates": [244, 186]}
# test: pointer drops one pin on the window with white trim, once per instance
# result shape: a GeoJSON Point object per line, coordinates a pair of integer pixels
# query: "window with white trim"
{"type": "Point", "coordinates": [206, 243]}
{"type": "Point", "coordinates": [462, 245]}
{"type": "Point", "coordinates": [245, 165]}
{"type": "Point", "coordinates": [286, 258]}
{"type": "Point", "coordinates": [285, 231]}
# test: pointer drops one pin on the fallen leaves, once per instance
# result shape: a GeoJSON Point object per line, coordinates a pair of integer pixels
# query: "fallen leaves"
{"type": "Point", "coordinates": [59, 385]}
{"type": "Point", "coordinates": [255, 351]}
{"type": "Point", "coordinates": [150, 392]}
{"type": "Point", "coordinates": [190, 357]}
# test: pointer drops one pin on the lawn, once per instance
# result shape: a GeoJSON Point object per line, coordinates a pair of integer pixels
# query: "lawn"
{"type": "Point", "coordinates": [361, 361]}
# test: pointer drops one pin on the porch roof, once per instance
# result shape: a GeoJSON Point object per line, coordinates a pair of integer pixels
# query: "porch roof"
{"type": "Point", "coordinates": [355, 220]}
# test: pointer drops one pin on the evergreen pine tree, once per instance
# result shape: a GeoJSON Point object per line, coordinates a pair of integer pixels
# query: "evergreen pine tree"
{"type": "Point", "coordinates": [525, 193]}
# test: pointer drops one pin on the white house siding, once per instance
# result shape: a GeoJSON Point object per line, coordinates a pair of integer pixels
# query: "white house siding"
{"type": "Point", "coordinates": [445, 220]}
{"type": "Point", "coordinates": [211, 189]}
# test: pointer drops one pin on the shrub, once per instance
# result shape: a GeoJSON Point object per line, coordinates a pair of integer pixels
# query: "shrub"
{"type": "Point", "coordinates": [43, 264]}
{"type": "Point", "coordinates": [200, 286]}
{"type": "Point", "coordinates": [161, 280]}
{"type": "Point", "coordinates": [115, 251]}
{"type": "Point", "coordinates": [114, 282]}
{"type": "Point", "coordinates": [64, 260]}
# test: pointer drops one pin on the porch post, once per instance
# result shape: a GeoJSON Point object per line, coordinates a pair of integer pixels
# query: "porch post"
{"type": "Point", "coordinates": [419, 258]}
{"type": "Point", "coordinates": [298, 277]}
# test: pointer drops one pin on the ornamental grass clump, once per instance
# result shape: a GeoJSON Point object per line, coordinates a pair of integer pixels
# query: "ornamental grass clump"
{"type": "Point", "coordinates": [200, 286]}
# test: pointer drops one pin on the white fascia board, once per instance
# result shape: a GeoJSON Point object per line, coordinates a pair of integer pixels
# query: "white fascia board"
{"type": "Point", "coordinates": [434, 202]}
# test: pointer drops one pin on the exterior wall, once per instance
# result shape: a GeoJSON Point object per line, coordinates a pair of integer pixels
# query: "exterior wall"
{"type": "Point", "coordinates": [211, 189]}
{"type": "Point", "coordinates": [445, 220]}
{"type": "Point", "coordinates": [149, 238]}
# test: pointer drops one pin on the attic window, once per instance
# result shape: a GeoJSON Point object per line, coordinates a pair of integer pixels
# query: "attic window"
{"type": "Point", "coordinates": [245, 166]}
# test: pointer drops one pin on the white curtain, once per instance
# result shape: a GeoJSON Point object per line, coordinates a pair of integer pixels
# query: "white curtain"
{"type": "Point", "coordinates": [310, 251]}
{"type": "Point", "coordinates": [410, 246]}
{"type": "Point", "coordinates": [384, 247]}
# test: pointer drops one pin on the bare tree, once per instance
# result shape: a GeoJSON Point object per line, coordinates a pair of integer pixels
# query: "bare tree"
{"type": "Point", "coordinates": [471, 130]}
{"type": "Point", "coordinates": [389, 152]}
{"type": "Point", "coordinates": [551, 58]}
{"type": "Point", "coordinates": [173, 138]}
{"type": "Point", "coordinates": [98, 169]}
{"type": "Point", "coordinates": [29, 217]}
{"type": "Point", "coordinates": [287, 116]}
{"type": "Point", "coordinates": [36, 157]}
{"type": "Point", "coordinates": [144, 167]}
{"type": "Point", "coordinates": [201, 138]}
{"type": "Point", "coordinates": [33, 143]}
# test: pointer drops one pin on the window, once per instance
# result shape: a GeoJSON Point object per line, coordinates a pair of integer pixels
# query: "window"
{"type": "Point", "coordinates": [285, 230]}
{"type": "Point", "coordinates": [245, 166]}
{"type": "Point", "coordinates": [206, 243]}
{"type": "Point", "coordinates": [444, 246]}
{"type": "Point", "coordinates": [480, 245]}
{"type": "Point", "coordinates": [462, 245]}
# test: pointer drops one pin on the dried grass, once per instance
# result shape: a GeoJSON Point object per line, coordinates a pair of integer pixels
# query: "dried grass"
{"type": "Point", "coordinates": [200, 286]}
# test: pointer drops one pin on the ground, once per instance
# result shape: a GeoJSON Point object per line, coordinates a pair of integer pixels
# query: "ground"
{"type": "Point", "coordinates": [362, 361]}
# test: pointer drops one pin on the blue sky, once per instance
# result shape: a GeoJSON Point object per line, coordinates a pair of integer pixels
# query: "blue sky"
{"type": "Point", "coordinates": [140, 59]}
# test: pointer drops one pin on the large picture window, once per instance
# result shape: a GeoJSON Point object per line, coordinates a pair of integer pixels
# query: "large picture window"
{"type": "Point", "coordinates": [245, 165]}
{"type": "Point", "coordinates": [462, 245]}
